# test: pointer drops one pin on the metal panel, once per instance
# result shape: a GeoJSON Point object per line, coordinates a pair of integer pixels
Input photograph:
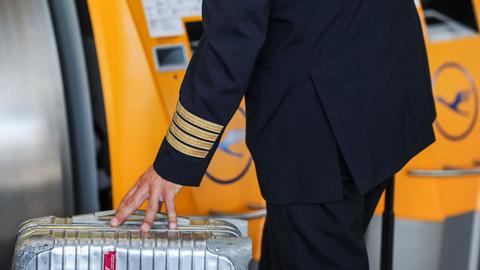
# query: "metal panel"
{"type": "Point", "coordinates": [427, 245]}
{"type": "Point", "coordinates": [77, 99]}
{"type": "Point", "coordinates": [187, 254]}
{"type": "Point", "coordinates": [417, 244]}
{"type": "Point", "coordinates": [34, 156]}
{"type": "Point", "coordinates": [89, 242]}
{"type": "Point", "coordinates": [461, 242]}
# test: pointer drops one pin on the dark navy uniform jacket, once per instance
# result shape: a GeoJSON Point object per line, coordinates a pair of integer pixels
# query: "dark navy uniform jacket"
{"type": "Point", "coordinates": [320, 78]}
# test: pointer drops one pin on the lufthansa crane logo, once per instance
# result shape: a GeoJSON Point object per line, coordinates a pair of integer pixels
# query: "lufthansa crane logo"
{"type": "Point", "coordinates": [457, 101]}
{"type": "Point", "coordinates": [232, 159]}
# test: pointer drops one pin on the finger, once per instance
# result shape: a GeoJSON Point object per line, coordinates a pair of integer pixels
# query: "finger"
{"type": "Point", "coordinates": [152, 209]}
{"type": "Point", "coordinates": [172, 215]}
{"type": "Point", "coordinates": [128, 195]}
{"type": "Point", "coordinates": [132, 204]}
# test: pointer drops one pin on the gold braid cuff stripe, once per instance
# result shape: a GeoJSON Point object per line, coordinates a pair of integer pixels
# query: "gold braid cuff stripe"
{"type": "Point", "coordinates": [186, 138]}
{"type": "Point", "coordinates": [189, 128]}
{"type": "Point", "coordinates": [197, 120]}
{"type": "Point", "coordinates": [183, 148]}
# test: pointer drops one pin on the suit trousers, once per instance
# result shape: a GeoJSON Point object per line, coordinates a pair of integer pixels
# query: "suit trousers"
{"type": "Point", "coordinates": [326, 236]}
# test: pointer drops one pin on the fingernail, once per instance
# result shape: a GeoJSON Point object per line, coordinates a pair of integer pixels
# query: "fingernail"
{"type": "Point", "coordinates": [114, 222]}
{"type": "Point", "coordinates": [145, 227]}
{"type": "Point", "coordinates": [172, 225]}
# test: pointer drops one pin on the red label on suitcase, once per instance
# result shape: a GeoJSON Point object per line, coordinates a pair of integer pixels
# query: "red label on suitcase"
{"type": "Point", "coordinates": [109, 260]}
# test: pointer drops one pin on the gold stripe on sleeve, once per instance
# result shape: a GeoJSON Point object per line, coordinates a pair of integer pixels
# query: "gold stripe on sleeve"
{"type": "Point", "coordinates": [197, 120]}
{"type": "Point", "coordinates": [185, 149]}
{"type": "Point", "coordinates": [193, 130]}
{"type": "Point", "coordinates": [186, 138]}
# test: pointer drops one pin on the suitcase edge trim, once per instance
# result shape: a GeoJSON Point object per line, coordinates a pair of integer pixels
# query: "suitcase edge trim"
{"type": "Point", "coordinates": [27, 248]}
{"type": "Point", "coordinates": [234, 250]}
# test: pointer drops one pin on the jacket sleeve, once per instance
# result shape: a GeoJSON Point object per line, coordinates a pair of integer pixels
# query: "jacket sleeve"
{"type": "Point", "coordinates": [213, 87]}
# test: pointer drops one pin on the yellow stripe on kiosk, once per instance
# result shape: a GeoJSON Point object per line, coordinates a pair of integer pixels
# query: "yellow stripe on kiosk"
{"type": "Point", "coordinates": [142, 66]}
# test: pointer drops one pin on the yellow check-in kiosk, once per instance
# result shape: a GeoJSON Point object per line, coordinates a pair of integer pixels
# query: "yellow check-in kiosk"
{"type": "Point", "coordinates": [437, 194]}
{"type": "Point", "coordinates": [143, 50]}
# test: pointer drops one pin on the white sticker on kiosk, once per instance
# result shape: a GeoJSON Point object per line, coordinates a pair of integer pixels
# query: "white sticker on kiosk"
{"type": "Point", "coordinates": [190, 7]}
{"type": "Point", "coordinates": [163, 18]}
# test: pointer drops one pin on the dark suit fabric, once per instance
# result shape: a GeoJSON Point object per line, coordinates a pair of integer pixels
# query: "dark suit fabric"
{"type": "Point", "coordinates": [320, 78]}
{"type": "Point", "coordinates": [326, 236]}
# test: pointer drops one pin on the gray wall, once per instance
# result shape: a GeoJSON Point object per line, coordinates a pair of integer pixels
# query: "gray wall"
{"type": "Point", "coordinates": [35, 175]}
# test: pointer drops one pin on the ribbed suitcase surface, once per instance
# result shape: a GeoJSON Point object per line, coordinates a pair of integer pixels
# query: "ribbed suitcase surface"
{"type": "Point", "coordinates": [87, 242]}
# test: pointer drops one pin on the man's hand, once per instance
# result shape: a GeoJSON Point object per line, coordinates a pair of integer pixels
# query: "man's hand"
{"type": "Point", "coordinates": [152, 187]}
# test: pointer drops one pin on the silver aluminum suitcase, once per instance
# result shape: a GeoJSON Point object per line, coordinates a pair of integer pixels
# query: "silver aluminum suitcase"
{"type": "Point", "coordinates": [87, 242]}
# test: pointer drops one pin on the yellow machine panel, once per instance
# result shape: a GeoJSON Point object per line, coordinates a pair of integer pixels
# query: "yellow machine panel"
{"type": "Point", "coordinates": [437, 194]}
{"type": "Point", "coordinates": [443, 181]}
{"type": "Point", "coordinates": [141, 77]}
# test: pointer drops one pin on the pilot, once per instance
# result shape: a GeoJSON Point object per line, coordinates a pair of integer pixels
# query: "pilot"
{"type": "Point", "coordinates": [338, 99]}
